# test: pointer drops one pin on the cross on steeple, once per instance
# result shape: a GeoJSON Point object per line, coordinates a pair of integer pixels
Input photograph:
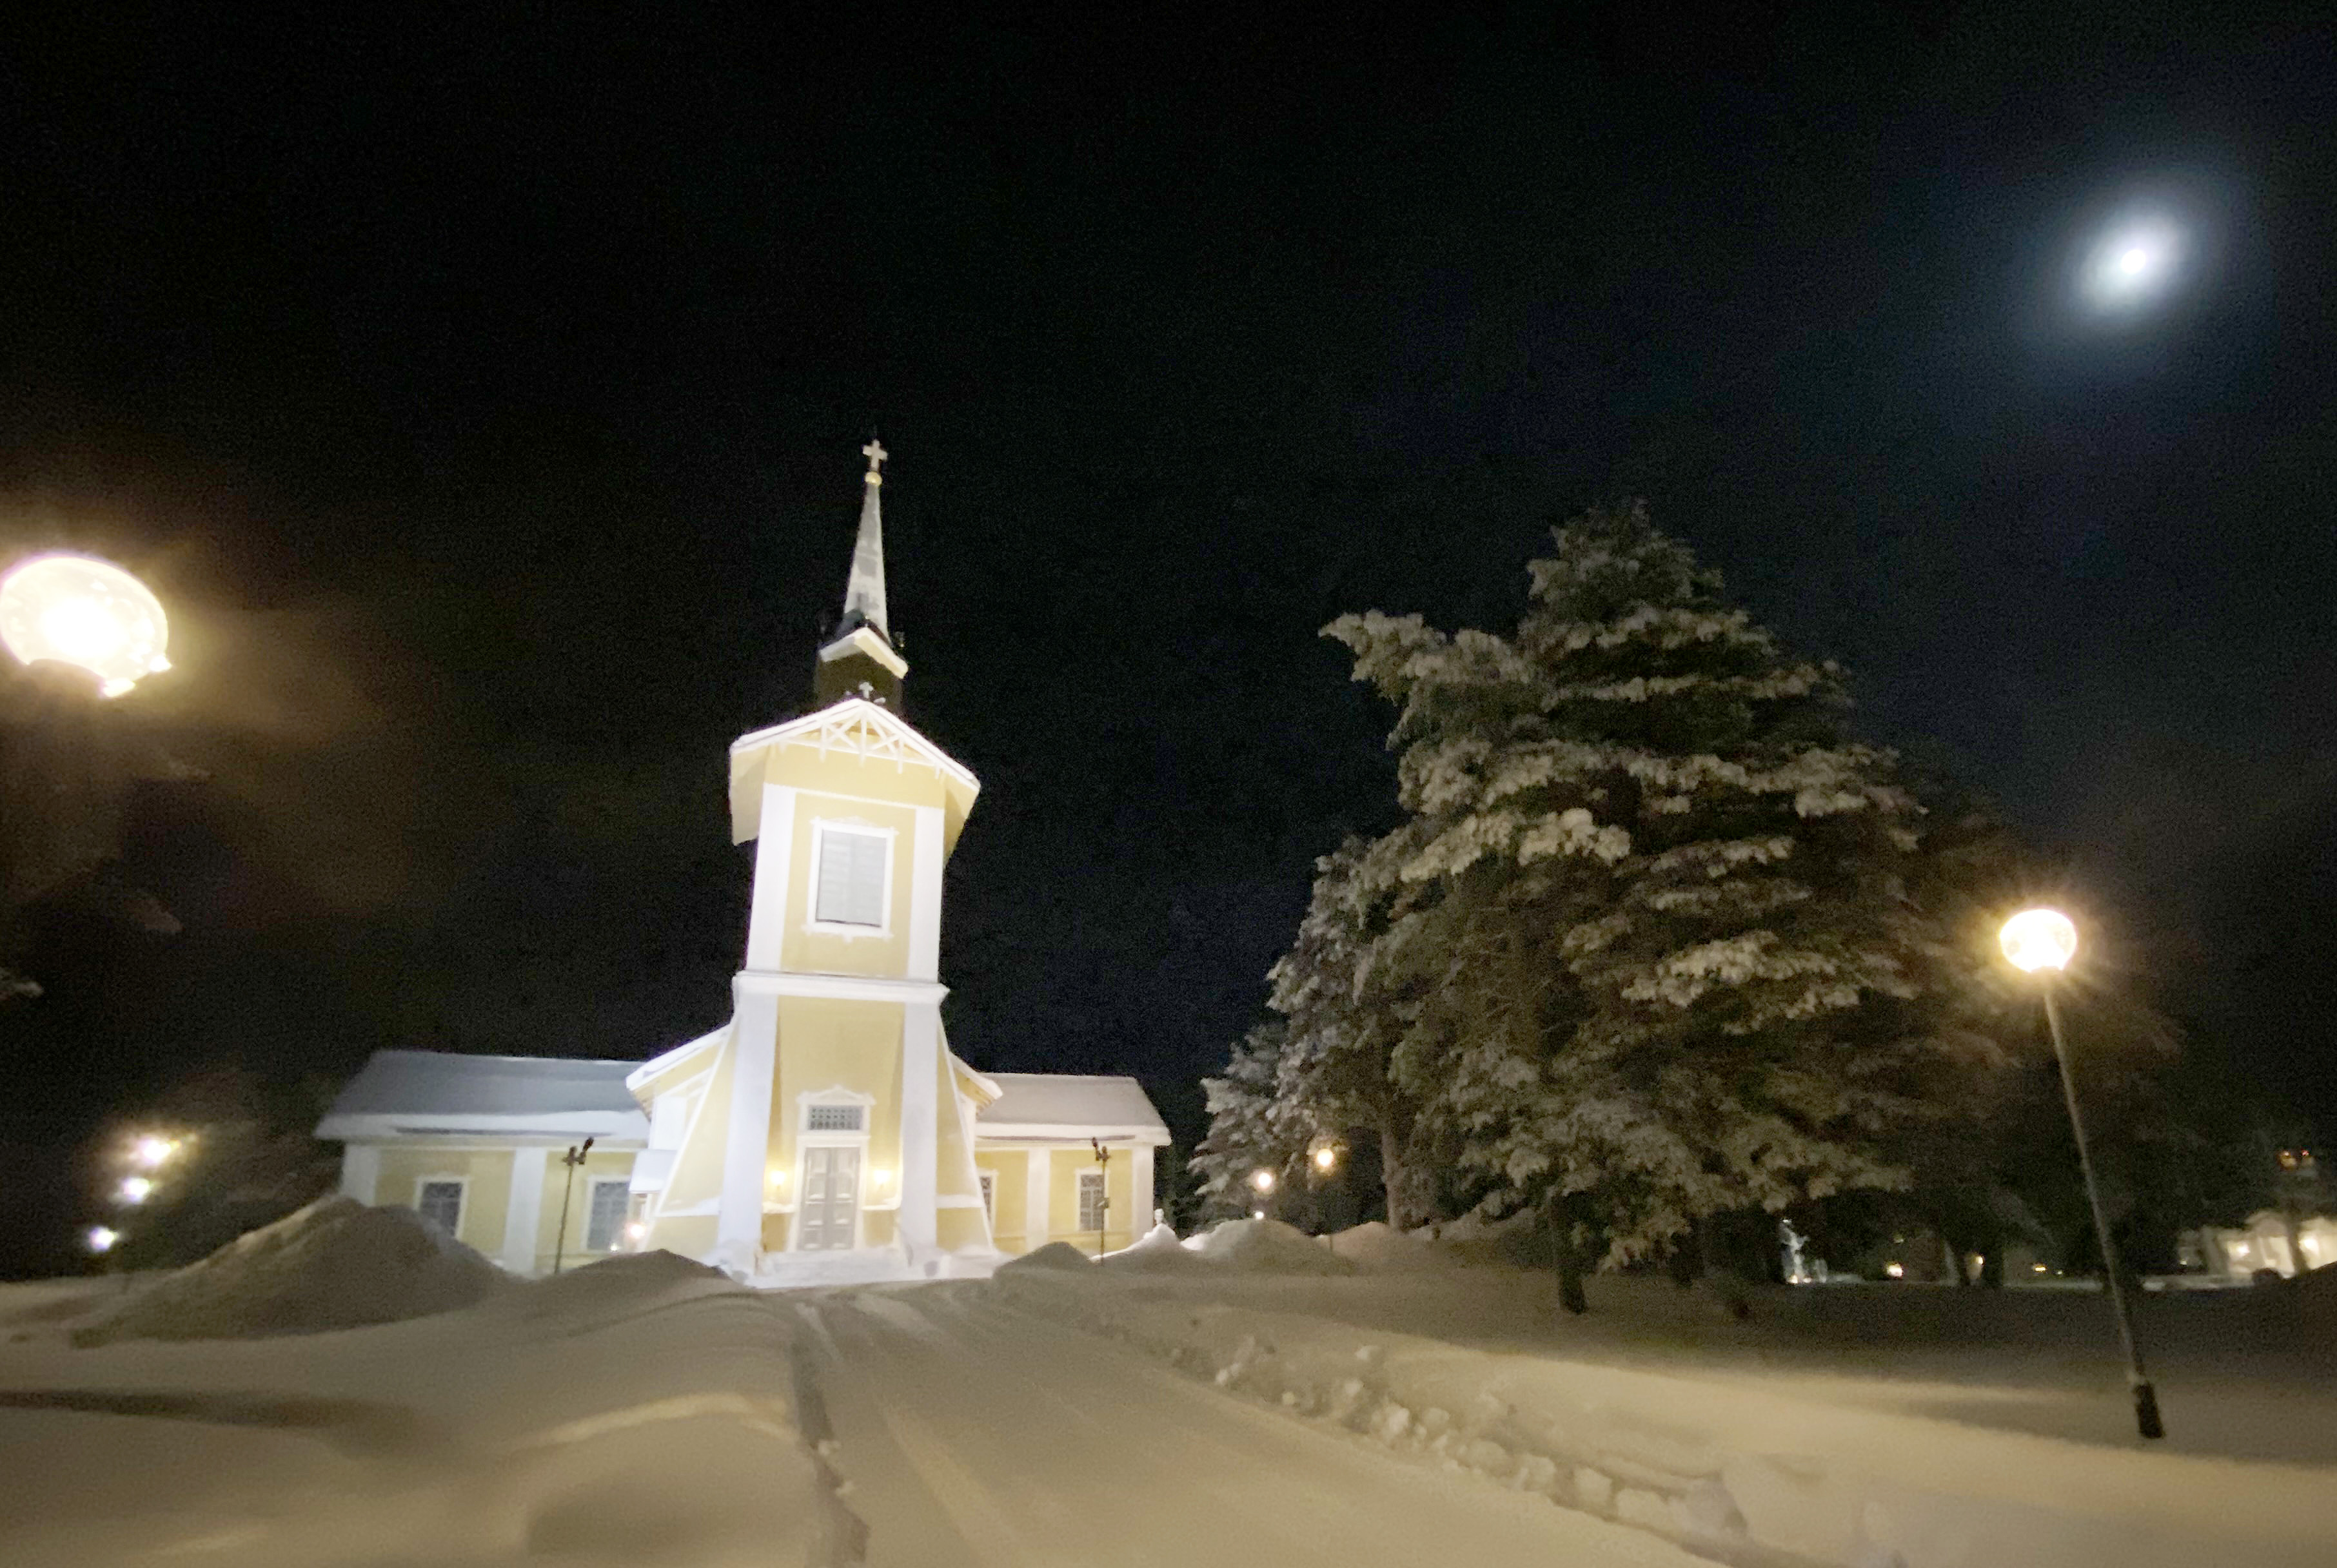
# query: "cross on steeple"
{"type": "Point", "coordinates": [875, 453]}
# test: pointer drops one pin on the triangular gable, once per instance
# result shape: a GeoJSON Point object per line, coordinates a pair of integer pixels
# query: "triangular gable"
{"type": "Point", "coordinates": [856, 728]}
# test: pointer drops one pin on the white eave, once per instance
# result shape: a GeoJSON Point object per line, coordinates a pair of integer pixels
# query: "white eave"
{"type": "Point", "coordinates": [552, 1126]}
{"type": "Point", "coordinates": [864, 640]}
{"type": "Point", "coordinates": [833, 726]}
{"type": "Point", "coordinates": [658, 1064]}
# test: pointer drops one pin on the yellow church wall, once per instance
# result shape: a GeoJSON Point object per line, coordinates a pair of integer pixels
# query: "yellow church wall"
{"type": "Point", "coordinates": [689, 1235]}
{"type": "Point", "coordinates": [697, 1176]}
{"type": "Point", "coordinates": [775, 1231]}
{"type": "Point", "coordinates": [1009, 1170]}
{"type": "Point", "coordinates": [827, 1043]}
{"type": "Point", "coordinates": [827, 952]}
{"type": "Point", "coordinates": [600, 1162]}
{"type": "Point", "coordinates": [956, 1229]}
{"type": "Point", "coordinates": [485, 1173]}
{"type": "Point", "coordinates": [841, 772]}
{"type": "Point", "coordinates": [1063, 1194]}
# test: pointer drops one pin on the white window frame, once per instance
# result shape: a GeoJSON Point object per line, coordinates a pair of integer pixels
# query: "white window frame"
{"type": "Point", "coordinates": [791, 1203]}
{"type": "Point", "coordinates": [1092, 1180]}
{"type": "Point", "coordinates": [821, 827]}
{"type": "Point", "coordinates": [591, 1197]}
{"type": "Point", "coordinates": [989, 1180]}
{"type": "Point", "coordinates": [462, 1203]}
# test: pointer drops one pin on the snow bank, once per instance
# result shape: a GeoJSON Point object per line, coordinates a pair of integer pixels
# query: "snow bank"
{"type": "Point", "coordinates": [1156, 1252]}
{"type": "Point", "coordinates": [1376, 1247]}
{"type": "Point", "coordinates": [1053, 1255]}
{"type": "Point", "coordinates": [637, 1410]}
{"type": "Point", "coordinates": [1266, 1247]}
{"type": "Point", "coordinates": [1740, 1467]}
{"type": "Point", "coordinates": [335, 1264]}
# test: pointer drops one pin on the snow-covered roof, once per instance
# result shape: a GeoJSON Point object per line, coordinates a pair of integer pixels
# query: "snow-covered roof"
{"type": "Point", "coordinates": [410, 1092]}
{"type": "Point", "coordinates": [1069, 1105]}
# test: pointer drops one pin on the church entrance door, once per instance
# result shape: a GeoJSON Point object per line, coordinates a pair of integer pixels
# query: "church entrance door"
{"type": "Point", "coordinates": [831, 1199]}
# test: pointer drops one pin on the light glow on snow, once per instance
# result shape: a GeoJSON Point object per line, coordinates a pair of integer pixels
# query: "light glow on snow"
{"type": "Point", "coordinates": [79, 610]}
{"type": "Point", "coordinates": [2040, 938]}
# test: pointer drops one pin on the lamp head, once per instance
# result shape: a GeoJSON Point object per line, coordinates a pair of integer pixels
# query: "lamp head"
{"type": "Point", "coordinates": [79, 610]}
{"type": "Point", "coordinates": [2040, 938]}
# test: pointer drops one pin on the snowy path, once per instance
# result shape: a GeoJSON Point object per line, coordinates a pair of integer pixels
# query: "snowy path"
{"type": "Point", "coordinates": [973, 1434]}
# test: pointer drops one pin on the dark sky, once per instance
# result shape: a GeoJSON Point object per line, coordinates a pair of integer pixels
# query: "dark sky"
{"type": "Point", "coordinates": [482, 390]}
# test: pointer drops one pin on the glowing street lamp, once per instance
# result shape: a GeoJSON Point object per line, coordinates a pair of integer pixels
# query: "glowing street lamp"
{"type": "Point", "coordinates": [80, 610]}
{"type": "Point", "coordinates": [1325, 1158]}
{"type": "Point", "coordinates": [101, 1239]}
{"type": "Point", "coordinates": [2041, 942]}
{"type": "Point", "coordinates": [1262, 1180]}
{"type": "Point", "coordinates": [136, 1189]}
{"type": "Point", "coordinates": [151, 1150]}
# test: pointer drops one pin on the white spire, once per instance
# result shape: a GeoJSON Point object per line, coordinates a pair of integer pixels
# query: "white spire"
{"type": "Point", "coordinates": [864, 595]}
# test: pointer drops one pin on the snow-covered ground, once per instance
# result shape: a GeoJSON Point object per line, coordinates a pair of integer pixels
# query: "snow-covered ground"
{"type": "Point", "coordinates": [642, 1411]}
{"type": "Point", "coordinates": [1253, 1396]}
{"type": "Point", "coordinates": [1851, 1425]}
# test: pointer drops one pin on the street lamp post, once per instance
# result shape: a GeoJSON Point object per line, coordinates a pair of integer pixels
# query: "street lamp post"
{"type": "Point", "coordinates": [2041, 942]}
{"type": "Point", "coordinates": [573, 1159]}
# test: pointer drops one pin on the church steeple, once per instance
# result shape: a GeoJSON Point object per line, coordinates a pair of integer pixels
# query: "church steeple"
{"type": "Point", "coordinates": [858, 658]}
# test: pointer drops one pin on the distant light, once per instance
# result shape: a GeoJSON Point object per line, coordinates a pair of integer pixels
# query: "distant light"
{"type": "Point", "coordinates": [1325, 1158]}
{"type": "Point", "coordinates": [1258, 1214]}
{"type": "Point", "coordinates": [1262, 1180]}
{"type": "Point", "coordinates": [2135, 261]}
{"type": "Point", "coordinates": [2037, 1267]}
{"type": "Point", "coordinates": [79, 610]}
{"type": "Point", "coordinates": [1895, 1271]}
{"type": "Point", "coordinates": [150, 1151]}
{"type": "Point", "coordinates": [2040, 938]}
{"type": "Point", "coordinates": [636, 1231]}
{"type": "Point", "coordinates": [136, 1189]}
{"type": "Point", "coordinates": [879, 1176]}
{"type": "Point", "coordinates": [102, 1237]}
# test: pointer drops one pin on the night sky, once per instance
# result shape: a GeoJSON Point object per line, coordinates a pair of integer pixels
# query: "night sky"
{"type": "Point", "coordinates": [482, 392]}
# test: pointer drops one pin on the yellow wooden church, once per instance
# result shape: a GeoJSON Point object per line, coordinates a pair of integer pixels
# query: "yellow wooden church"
{"type": "Point", "coordinates": [825, 1134]}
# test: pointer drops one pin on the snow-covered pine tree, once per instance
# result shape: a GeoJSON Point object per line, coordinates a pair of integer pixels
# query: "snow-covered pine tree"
{"type": "Point", "coordinates": [1253, 1126]}
{"type": "Point", "coordinates": [1655, 894]}
{"type": "Point", "coordinates": [1342, 1030]}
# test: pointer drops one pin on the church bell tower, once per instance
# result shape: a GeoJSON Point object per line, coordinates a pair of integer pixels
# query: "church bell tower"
{"type": "Point", "coordinates": [858, 658]}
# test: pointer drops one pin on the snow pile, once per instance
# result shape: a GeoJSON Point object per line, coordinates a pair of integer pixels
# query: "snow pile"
{"type": "Point", "coordinates": [1266, 1247]}
{"type": "Point", "coordinates": [637, 1410]}
{"type": "Point", "coordinates": [1742, 1467]}
{"type": "Point", "coordinates": [1377, 1248]}
{"type": "Point", "coordinates": [1054, 1255]}
{"type": "Point", "coordinates": [335, 1264]}
{"type": "Point", "coordinates": [1156, 1252]}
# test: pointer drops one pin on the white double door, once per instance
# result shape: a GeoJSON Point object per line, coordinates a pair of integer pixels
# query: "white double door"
{"type": "Point", "coordinates": [828, 1219]}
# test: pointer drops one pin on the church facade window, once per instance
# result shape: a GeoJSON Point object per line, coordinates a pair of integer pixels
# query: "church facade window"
{"type": "Point", "coordinates": [854, 885]}
{"type": "Point", "coordinates": [604, 1220]}
{"type": "Point", "coordinates": [439, 1199]}
{"type": "Point", "coordinates": [1090, 1200]}
{"type": "Point", "coordinates": [834, 1118]}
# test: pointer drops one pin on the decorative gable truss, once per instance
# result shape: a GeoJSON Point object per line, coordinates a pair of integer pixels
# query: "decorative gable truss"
{"type": "Point", "coordinates": [865, 731]}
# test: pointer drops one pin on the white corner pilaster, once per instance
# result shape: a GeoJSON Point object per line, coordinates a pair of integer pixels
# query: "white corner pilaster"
{"type": "Point", "coordinates": [360, 1171]}
{"type": "Point", "coordinates": [523, 1219]}
{"type": "Point", "coordinates": [925, 895]}
{"type": "Point", "coordinates": [747, 1138]}
{"type": "Point", "coordinates": [767, 918]}
{"type": "Point", "coordinates": [921, 1072]}
{"type": "Point", "coordinates": [1037, 1227]}
{"type": "Point", "coordinates": [1142, 1198]}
